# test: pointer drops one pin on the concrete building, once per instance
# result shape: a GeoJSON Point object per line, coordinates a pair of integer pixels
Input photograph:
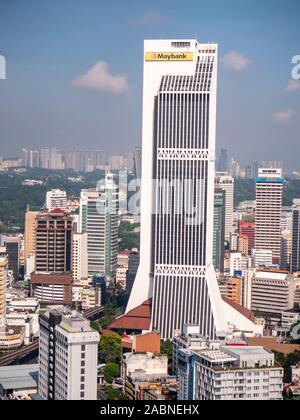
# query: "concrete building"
{"type": "Point", "coordinates": [18, 382]}
{"type": "Point", "coordinates": [190, 342]}
{"type": "Point", "coordinates": [79, 256]}
{"type": "Point", "coordinates": [225, 182]}
{"type": "Point", "coordinates": [269, 189]}
{"type": "Point", "coordinates": [286, 250]}
{"type": "Point", "coordinates": [224, 369]}
{"type": "Point", "coordinates": [219, 230]}
{"type": "Point", "coordinates": [12, 249]}
{"type": "Point", "coordinates": [133, 266]}
{"type": "Point", "coordinates": [52, 289]}
{"type": "Point", "coordinates": [68, 357]}
{"type": "Point", "coordinates": [272, 292]}
{"type": "Point", "coordinates": [3, 279]}
{"type": "Point", "coordinates": [177, 272]}
{"type": "Point", "coordinates": [122, 268]}
{"type": "Point", "coordinates": [232, 288]}
{"type": "Point", "coordinates": [30, 233]}
{"type": "Point", "coordinates": [140, 370]}
{"type": "Point", "coordinates": [236, 373]}
{"type": "Point", "coordinates": [142, 343]}
{"type": "Point", "coordinates": [262, 258]}
{"type": "Point", "coordinates": [247, 230]}
{"type": "Point", "coordinates": [137, 159]}
{"type": "Point", "coordinates": [98, 219]}
{"type": "Point", "coordinates": [54, 242]}
{"type": "Point", "coordinates": [295, 258]}
{"type": "Point", "coordinates": [56, 199]}
{"type": "Point", "coordinates": [238, 263]}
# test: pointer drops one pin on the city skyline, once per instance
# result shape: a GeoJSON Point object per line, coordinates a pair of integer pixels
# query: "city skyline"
{"type": "Point", "coordinates": [58, 93]}
{"type": "Point", "coordinates": [150, 203]}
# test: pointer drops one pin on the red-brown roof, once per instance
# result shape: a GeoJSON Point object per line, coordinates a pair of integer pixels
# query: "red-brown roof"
{"type": "Point", "coordinates": [244, 311]}
{"type": "Point", "coordinates": [62, 279]}
{"type": "Point", "coordinates": [137, 319]}
{"type": "Point", "coordinates": [140, 318]}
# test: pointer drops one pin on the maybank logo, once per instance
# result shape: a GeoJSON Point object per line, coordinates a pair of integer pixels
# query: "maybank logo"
{"type": "Point", "coordinates": [172, 56]}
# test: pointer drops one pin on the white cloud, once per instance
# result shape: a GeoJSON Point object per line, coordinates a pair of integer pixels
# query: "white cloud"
{"type": "Point", "coordinates": [236, 61]}
{"type": "Point", "coordinates": [283, 117]}
{"type": "Point", "coordinates": [293, 85]}
{"type": "Point", "coordinates": [148, 18]}
{"type": "Point", "coordinates": [99, 78]}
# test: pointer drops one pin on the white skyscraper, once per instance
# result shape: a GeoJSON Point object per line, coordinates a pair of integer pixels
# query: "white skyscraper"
{"type": "Point", "coordinates": [99, 219]}
{"type": "Point", "coordinates": [268, 228]}
{"type": "Point", "coordinates": [225, 182]}
{"type": "Point", "coordinates": [179, 130]}
{"type": "Point", "coordinates": [3, 280]}
{"type": "Point", "coordinates": [56, 199]}
{"type": "Point", "coordinates": [79, 256]}
{"type": "Point", "coordinates": [68, 357]}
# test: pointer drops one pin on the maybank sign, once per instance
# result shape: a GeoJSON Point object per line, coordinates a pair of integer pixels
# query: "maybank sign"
{"type": "Point", "coordinates": [169, 56]}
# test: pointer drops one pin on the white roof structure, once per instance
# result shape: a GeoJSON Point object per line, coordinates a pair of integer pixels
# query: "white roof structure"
{"type": "Point", "coordinates": [270, 275]}
{"type": "Point", "coordinates": [19, 377]}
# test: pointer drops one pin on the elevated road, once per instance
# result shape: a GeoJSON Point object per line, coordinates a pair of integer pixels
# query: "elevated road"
{"type": "Point", "coordinates": [13, 356]}
{"type": "Point", "coordinates": [24, 351]}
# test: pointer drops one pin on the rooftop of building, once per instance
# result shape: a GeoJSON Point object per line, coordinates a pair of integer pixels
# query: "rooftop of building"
{"type": "Point", "coordinates": [19, 377]}
{"type": "Point", "coordinates": [271, 344]}
{"type": "Point", "coordinates": [272, 274]}
{"type": "Point", "coordinates": [72, 321]}
{"type": "Point", "coordinates": [249, 351]}
{"type": "Point", "coordinates": [217, 356]}
{"type": "Point", "coordinates": [139, 319]}
{"type": "Point", "coordinates": [51, 278]}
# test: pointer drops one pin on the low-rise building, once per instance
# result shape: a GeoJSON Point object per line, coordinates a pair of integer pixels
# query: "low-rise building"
{"type": "Point", "coordinates": [272, 292]}
{"type": "Point", "coordinates": [18, 382]}
{"type": "Point", "coordinates": [52, 289]}
{"type": "Point", "coordinates": [236, 373]}
{"type": "Point", "coordinates": [141, 371]}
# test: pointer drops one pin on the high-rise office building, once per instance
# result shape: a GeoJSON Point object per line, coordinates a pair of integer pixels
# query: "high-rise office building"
{"type": "Point", "coordinates": [53, 242]}
{"type": "Point", "coordinates": [3, 279]}
{"type": "Point", "coordinates": [13, 248]}
{"type": "Point", "coordinates": [79, 256]}
{"type": "Point", "coordinates": [137, 158]}
{"type": "Point", "coordinates": [226, 183]}
{"type": "Point", "coordinates": [295, 259]}
{"type": "Point", "coordinates": [234, 169]}
{"type": "Point", "coordinates": [99, 219]}
{"type": "Point", "coordinates": [56, 199]}
{"type": "Point", "coordinates": [30, 158]}
{"type": "Point", "coordinates": [116, 162]}
{"type": "Point", "coordinates": [272, 293]}
{"type": "Point", "coordinates": [179, 124]}
{"type": "Point", "coordinates": [30, 233]}
{"type": "Point", "coordinates": [30, 241]}
{"type": "Point", "coordinates": [222, 162]}
{"type": "Point", "coordinates": [269, 189]}
{"type": "Point", "coordinates": [247, 229]}
{"type": "Point", "coordinates": [219, 230]}
{"type": "Point", "coordinates": [68, 357]}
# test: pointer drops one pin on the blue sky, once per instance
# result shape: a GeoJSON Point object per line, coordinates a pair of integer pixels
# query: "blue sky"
{"type": "Point", "coordinates": [50, 44]}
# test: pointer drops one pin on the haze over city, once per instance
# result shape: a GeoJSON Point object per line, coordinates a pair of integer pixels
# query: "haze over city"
{"type": "Point", "coordinates": [74, 69]}
{"type": "Point", "coordinates": [150, 203]}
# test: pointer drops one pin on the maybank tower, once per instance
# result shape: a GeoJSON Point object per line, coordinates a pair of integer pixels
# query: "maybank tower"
{"type": "Point", "coordinates": [177, 191]}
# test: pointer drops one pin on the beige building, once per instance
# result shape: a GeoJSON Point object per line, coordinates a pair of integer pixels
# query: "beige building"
{"type": "Point", "coordinates": [3, 273]}
{"type": "Point", "coordinates": [269, 190]}
{"type": "Point", "coordinates": [30, 233]}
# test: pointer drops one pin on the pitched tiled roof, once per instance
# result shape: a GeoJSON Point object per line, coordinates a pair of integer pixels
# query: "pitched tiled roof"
{"type": "Point", "coordinates": [137, 319]}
